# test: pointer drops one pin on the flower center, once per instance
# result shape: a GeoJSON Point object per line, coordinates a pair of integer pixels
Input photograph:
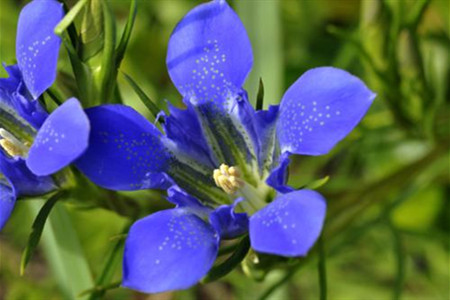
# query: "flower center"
{"type": "Point", "coordinates": [12, 145]}
{"type": "Point", "coordinates": [228, 178]}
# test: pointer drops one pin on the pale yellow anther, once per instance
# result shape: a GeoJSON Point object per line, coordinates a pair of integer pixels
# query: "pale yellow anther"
{"type": "Point", "coordinates": [234, 172]}
{"type": "Point", "coordinates": [224, 169]}
{"type": "Point", "coordinates": [12, 145]}
{"type": "Point", "coordinates": [11, 149]}
{"type": "Point", "coordinates": [228, 178]}
{"type": "Point", "coordinates": [216, 175]}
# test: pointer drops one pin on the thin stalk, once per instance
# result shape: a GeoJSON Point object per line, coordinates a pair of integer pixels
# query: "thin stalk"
{"type": "Point", "coordinates": [322, 270]}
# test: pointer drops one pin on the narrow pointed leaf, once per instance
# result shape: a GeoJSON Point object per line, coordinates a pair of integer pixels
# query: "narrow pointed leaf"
{"type": "Point", "coordinates": [260, 96]}
{"type": "Point", "coordinates": [37, 228]}
{"type": "Point", "coordinates": [122, 47]}
{"type": "Point", "coordinates": [317, 183]}
{"type": "Point", "coordinates": [143, 97]}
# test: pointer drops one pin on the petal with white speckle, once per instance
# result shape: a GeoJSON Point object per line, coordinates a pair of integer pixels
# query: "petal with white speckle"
{"type": "Point", "coordinates": [62, 138]}
{"type": "Point", "coordinates": [168, 250]}
{"type": "Point", "coordinates": [290, 225]}
{"type": "Point", "coordinates": [320, 109]}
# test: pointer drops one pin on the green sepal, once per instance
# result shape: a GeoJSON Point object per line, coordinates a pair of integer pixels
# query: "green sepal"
{"type": "Point", "coordinates": [230, 264]}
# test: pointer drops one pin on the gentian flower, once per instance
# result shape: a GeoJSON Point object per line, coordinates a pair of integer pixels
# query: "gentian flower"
{"type": "Point", "coordinates": [224, 164]}
{"type": "Point", "coordinates": [33, 144]}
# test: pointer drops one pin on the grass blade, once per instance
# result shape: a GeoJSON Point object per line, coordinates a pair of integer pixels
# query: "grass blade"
{"type": "Point", "coordinates": [64, 253]}
{"type": "Point", "coordinates": [263, 23]}
{"type": "Point", "coordinates": [36, 232]}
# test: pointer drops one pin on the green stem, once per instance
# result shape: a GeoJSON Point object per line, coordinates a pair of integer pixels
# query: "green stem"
{"type": "Point", "coordinates": [112, 260]}
{"type": "Point", "coordinates": [289, 274]}
{"type": "Point", "coordinates": [400, 258]}
{"type": "Point", "coordinates": [322, 270]}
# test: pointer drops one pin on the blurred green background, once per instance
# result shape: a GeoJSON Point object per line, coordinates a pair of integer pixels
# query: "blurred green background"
{"type": "Point", "coordinates": [387, 230]}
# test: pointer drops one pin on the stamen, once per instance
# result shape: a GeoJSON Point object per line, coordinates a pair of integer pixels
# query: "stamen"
{"type": "Point", "coordinates": [12, 145]}
{"type": "Point", "coordinates": [228, 178]}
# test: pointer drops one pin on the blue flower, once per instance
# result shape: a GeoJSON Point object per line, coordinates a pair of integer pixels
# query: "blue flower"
{"type": "Point", "coordinates": [33, 144]}
{"type": "Point", "coordinates": [224, 164]}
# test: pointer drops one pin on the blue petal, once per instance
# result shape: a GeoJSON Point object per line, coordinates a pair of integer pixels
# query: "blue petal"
{"type": "Point", "coordinates": [183, 128]}
{"type": "Point", "coordinates": [25, 183]}
{"type": "Point", "coordinates": [7, 201]}
{"type": "Point", "coordinates": [16, 102]}
{"type": "Point", "coordinates": [13, 81]}
{"type": "Point", "coordinates": [169, 250]}
{"type": "Point", "coordinates": [125, 150]}
{"type": "Point", "coordinates": [37, 46]}
{"type": "Point", "coordinates": [279, 175]}
{"type": "Point", "coordinates": [182, 199]}
{"type": "Point", "coordinates": [62, 138]}
{"type": "Point", "coordinates": [228, 223]}
{"type": "Point", "coordinates": [233, 122]}
{"type": "Point", "coordinates": [320, 109]}
{"type": "Point", "coordinates": [265, 124]}
{"type": "Point", "coordinates": [290, 225]}
{"type": "Point", "coordinates": [209, 52]}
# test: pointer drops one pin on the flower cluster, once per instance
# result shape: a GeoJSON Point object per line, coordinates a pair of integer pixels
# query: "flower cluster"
{"type": "Point", "coordinates": [223, 163]}
{"type": "Point", "coordinates": [33, 144]}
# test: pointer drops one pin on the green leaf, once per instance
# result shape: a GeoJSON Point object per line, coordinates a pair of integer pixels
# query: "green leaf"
{"type": "Point", "coordinates": [36, 232]}
{"type": "Point", "coordinates": [122, 47]}
{"type": "Point", "coordinates": [227, 266]}
{"type": "Point", "coordinates": [260, 96]}
{"type": "Point", "coordinates": [317, 183]}
{"type": "Point", "coordinates": [144, 98]}
{"type": "Point", "coordinates": [63, 252]}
